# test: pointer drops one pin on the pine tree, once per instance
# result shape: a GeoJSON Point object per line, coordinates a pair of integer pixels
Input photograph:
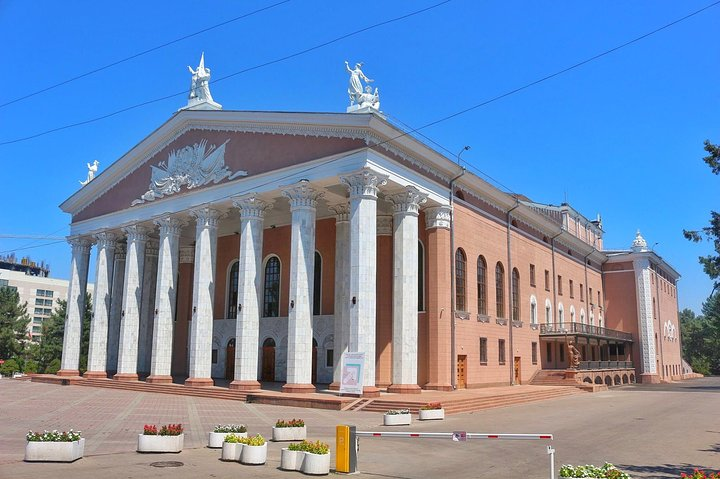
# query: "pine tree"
{"type": "Point", "coordinates": [13, 323]}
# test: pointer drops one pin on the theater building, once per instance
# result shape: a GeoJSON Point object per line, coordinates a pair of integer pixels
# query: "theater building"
{"type": "Point", "coordinates": [261, 246]}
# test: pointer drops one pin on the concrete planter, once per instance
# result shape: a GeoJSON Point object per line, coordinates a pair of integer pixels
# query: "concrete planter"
{"type": "Point", "coordinates": [316, 464]}
{"type": "Point", "coordinates": [397, 419]}
{"type": "Point", "coordinates": [291, 460]}
{"type": "Point", "coordinates": [36, 451]}
{"type": "Point", "coordinates": [432, 414]}
{"type": "Point", "coordinates": [216, 439]}
{"type": "Point", "coordinates": [231, 451]}
{"type": "Point", "coordinates": [255, 455]}
{"type": "Point", "coordinates": [147, 443]}
{"type": "Point", "coordinates": [289, 433]}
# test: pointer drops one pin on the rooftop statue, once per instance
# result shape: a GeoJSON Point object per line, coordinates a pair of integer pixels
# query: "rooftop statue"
{"type": "Point", "coordinates": [358, 98]}
{"type": "Point", "coordinates": [92, 169]}
{"type": "Point", "coordinates": [200, 97]}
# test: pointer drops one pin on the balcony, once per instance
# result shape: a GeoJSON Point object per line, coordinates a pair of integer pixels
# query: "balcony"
{"type": "Point", "coordinates": [588, 330]}
{"type": "Point", "coordinates": [595, 365]}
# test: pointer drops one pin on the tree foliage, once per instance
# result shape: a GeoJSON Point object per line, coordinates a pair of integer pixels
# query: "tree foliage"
{"type": "Point", "coordinates": [13, 323]}
{"type": "Point", "coordinates": [711, 263]}
{"type": "Point", "coordinates": [701, 337]}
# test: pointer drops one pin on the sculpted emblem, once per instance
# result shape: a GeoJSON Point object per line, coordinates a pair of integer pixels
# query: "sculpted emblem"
{"type": "Point", "coordinates": [190, 166]}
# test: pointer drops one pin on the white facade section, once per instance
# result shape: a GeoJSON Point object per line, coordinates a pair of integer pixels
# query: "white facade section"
{"type": "Point", "coordinates": [646, 326]}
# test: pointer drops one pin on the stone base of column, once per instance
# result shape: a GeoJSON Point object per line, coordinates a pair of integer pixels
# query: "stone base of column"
{"type": "Point", "coordinates": [68, 372]}
{"type": "Point", "coordinates": [159, 379]}
{"type": "Point", "coordinates": [298, 388]}
{"type": "Point", "coordinates": [199, 382]}
{"type": "Point", "coordinates": [649, 379]}
{"type": "Point", "coordinates": [125, 377]}
{"type": "Point", "coordinates": [95, 375]}
{"type": "Point", "coordinates": [404, 389]}
{"type": "Point", "coordinates": [438, 387]}
{"type": "Point", "coordinates": [371, 392]}
{"type": "Point", "coordinates": [382, 385]}
{"type": "Point", "coordinates": [245, 385]}
{"type": "Point", "coordinates": [334, 386]}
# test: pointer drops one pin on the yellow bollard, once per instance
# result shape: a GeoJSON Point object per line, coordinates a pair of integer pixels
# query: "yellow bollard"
{"type": "Point", "coordinates": [342, 448]}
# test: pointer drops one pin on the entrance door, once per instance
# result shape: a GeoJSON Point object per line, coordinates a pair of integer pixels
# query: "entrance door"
{"type": "Point", "coordinates": [230, 360]}
{"type": "Point", "coordinates": [268, 360]}
{"type": "Point", "coordinates": [314, 362]}
{"type": "Point", "coordinates": [517, 370]}
{"type": "Point", "coordinates": [461, 375]}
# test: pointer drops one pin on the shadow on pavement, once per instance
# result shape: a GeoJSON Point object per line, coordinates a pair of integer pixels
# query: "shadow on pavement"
{"type": "Point", "coordinates": [659, 471]}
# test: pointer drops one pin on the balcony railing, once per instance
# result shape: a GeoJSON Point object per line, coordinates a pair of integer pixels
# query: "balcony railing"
{"type": "Point", "coordinates": [556, 329]}
{"type": "Point", "coordinates": [605, 365]}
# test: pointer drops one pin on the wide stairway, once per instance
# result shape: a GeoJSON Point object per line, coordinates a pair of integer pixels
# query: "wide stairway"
{"type": "Point", "coordinates": [550, 377]}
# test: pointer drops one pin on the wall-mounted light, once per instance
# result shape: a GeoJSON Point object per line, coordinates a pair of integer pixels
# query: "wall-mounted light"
{"type": "Point", "coordinates": [122, 314]}
{"type": "Point", "coordinates": [156, 311]}
{"type": "Point", "coordinates": [354, 300]}
{"type": "Point", "coordinates": [239, 307]}
{"type": "Point", "coordinates": [194, 309]}
{"type": "Point", "coordinates": [292, 304]}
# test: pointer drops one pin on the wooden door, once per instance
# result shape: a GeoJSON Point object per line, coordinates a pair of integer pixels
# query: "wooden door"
{"type": "Point", "coordinates": [461, 372]}
{"type": "Point", "coordinates": [517, 370]}
{"type": "Point", "coordinates": [230, 360]}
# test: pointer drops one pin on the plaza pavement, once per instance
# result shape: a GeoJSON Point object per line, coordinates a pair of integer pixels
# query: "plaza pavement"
{"type": "Point", "coordinates": [651, 431]}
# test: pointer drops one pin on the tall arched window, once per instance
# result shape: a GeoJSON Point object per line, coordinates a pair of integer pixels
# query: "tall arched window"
{"type": "Point", "coordinates": [317, 284]}
{"type": "Point", "coordinates": [460, 279]}
{"type": "Point", "coordinates": [499, 290]}
{"type": "Point", "coordinates": [271, 291]}
{"type": "Point", "coordinates": [533, 310]}
{"type": "Point", "coordinates": [232, 297]}
{"type": "Point", "coordinates": [548, 312]}
{"type": "Point", "coordinates": [515, 295]}
{"type": "Point", "coordinates": [561, 315]}
{"type": "Point", "coordinates": [421, 277]}
{"type": "Point", "coordinates": [482, 285]}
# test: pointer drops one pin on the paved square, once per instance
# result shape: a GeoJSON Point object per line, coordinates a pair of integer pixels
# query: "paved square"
{"type": "Point", "coordinates": [650, 431]}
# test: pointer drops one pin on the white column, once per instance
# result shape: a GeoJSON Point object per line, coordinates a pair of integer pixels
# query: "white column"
{"type": "Point", "coordinates": [646, 326]}
{"type": "Point", "coordinates": [341, 320]}
{"type": "Point", "coordinates": [201, 327]}
{"type": "Point", "coordinates": [118, 282]}
{"type": "Point", "coordinates": [132, 295]}
{"type": "Point", "coordinates": [97, 351]}
{"type": "Point", "coordinates": [70, 363]}
{"type": "Point", "coordinates": [147, 307]}
{"type": "Point", "coordinates": [165, 295]}
{"type": "Point", "coordinates": [303, 200]}
{"type": "Point", "coordinates": [405, 290]}
{"type": "Point", "coordinates": [247, 328]}
{"type": "Point", "coordinates": [363, 186]}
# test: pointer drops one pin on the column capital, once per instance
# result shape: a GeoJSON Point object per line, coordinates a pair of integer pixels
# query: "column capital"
{"type": "Point", "coordinates": [169, 225]}
{"type": "Point", "coordinates": [106, 239]}
{"type": "Point", "coordinates": [302, 195]}
{"type": "Point", "coordinates": [407, 201]}
{"type": "Point", "coordinates": [206, 216]}
{"type": "Point", "coordinates": [136, 233]}
{"type": "Point", "coordinates": [152, 248]}
{"type": "Point", "coordinates": [364, 183]}
{"type": "Point", "coordinates": [120, 251]}
{"type": "Point", "coordinates": [438, 217]}
{"type": "Point", "coordinates": [187, 254]}
{"type": "Point", "coordinates": [384, 225]}
{"type": "Point", "coordinates": [251, 206]}
{"type": "Point", "coordinates": [342, 212]}
{"type": "Point", "coordinates": [80, 244]}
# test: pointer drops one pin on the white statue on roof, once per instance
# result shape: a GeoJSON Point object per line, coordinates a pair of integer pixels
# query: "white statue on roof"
{"type": "Point", "coordinates": [92, 169]}
{"type": "Point", "coordinates": [360, 100]}
{"type": "Point", "coordinates": [639, 244]}
{"type": "Point", "coordinates": [200, 97]}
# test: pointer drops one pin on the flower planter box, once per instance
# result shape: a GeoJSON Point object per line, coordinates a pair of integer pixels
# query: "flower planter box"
{"type": "Point", "coordinates": [289, 433]}
{"type": "Point", "coordinates": [37, 451]}
{"type": "Point", "coordinates": [316, 464]}
{"type": "Point", "coordinates": [231, 451]}
{"type": "Point", "coordinates": [253, 454]}
{"type": "Point", "coordinates": [431, 414]}
{"type": "Point", "coordinates": [150, 443]}
{"type": "Point", "coordinates": [291, 460]}
{"type": "Point", "coordinates": [397, 419]}
{"type": "Point", "coordinates": [216, 439]}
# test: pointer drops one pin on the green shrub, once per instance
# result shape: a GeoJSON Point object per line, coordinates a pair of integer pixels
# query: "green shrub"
{"type": "Point", "coordinates": [8, 367]}
{"type": "Point", "coordinates": [31, 366]}
{"type": "Point", "coordinates": [53, 367]}
{"type": "Point", "coordinates": [316, 447]}
{"type": "Point", "coordinates": [257, 440]}
{"type": "Point", "coordinates": [233, 439]}
{"type": "Point", "coordinates": [230, 428]}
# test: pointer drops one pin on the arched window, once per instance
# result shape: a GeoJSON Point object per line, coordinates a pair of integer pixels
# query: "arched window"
{"type": "Point", "coordinates": [460, 277]}
{"type": "Point", "coordinates": [482, 285]}
{"type": "Point", "coordinates": [421, 277]}
{"type": "Point", "coordinates": [582, 316]}
{"type": "Point", "coordinates": [533, 310]}
{"type": "Point", "coordinates": [548, 312]}
{"type": "Point", "coordinates": [499, 290]}
{"type": "Point", "coordinates": [561, 315]}
{"type": "Point", "coordinates": [317, 285]}
{"type": "Point", "coordinates": [515, 295]}
{"type": "Point", "coordinates": [232, 297]}
{"type": "Point", "coordinates": [572, 314]}
{"type": "Point", "coordinates": [271, 291]}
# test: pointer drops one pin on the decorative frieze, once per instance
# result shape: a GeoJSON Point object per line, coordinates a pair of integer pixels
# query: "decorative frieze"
{"type": "Point", "coordinates": [152, 248]}
{"type": "Point", "coordinates": [364, 183]}
{"type": "Point", "coordinates": [251, 206]}
{"type": "Point", "coordinates": [463, 315]}
{"type": "Point", "coordinates": [105, 240]}
{"type": "Point", "coordinates": [302, 195]}
{"type": "Point", "coordinates": [170, 226]}
{"type": "Point", "coordinates": [342, 212]}
{"type": "Point", "coordinates": [483, 318]}
{"type": "Point", "coordinates": [384, 225]}
{"type": "Point", "coordinates": [187, 254]}
{"type": "Point", "coordinates": [206, 217]}
{"type": "Point", "coordinates": [438, 217]}
{"type": "Point", "coordinates": [501, 321]}
{"type": "Point", "coordinates": [407, 201]}
{"type": "Point", "coordinates": [136, 233]}
{"type": "Point", "coordinates": [80, 244]}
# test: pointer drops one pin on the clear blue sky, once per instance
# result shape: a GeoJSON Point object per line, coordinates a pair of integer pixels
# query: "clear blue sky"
{"type": "Point", "coordinates": [621, 136]}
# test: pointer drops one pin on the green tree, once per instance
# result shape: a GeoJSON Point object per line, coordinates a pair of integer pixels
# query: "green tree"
{"type": "Point", "coordinates": [711, 262]}
{"type": "Point", "coordinates": [13, 323]}
{"type": "Point", "coordinates": [53, 330]}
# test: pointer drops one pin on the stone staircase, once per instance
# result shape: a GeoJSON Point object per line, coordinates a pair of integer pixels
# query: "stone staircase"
{"type": "Point", "coordinates": [177, 389]}
{"type": "Point", "coordinates": [551, 377]}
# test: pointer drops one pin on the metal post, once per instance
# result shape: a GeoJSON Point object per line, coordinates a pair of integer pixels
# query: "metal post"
{"type": "Point", "coordinates": [551, 453]}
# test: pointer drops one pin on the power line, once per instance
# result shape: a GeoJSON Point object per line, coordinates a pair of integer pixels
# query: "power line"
{"type": "Point", "coordinates": [144, 52]}
{"type": "Point", "coordinates": [31, 247]}
{"type": "Point", "coordinates": [261, 65]}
